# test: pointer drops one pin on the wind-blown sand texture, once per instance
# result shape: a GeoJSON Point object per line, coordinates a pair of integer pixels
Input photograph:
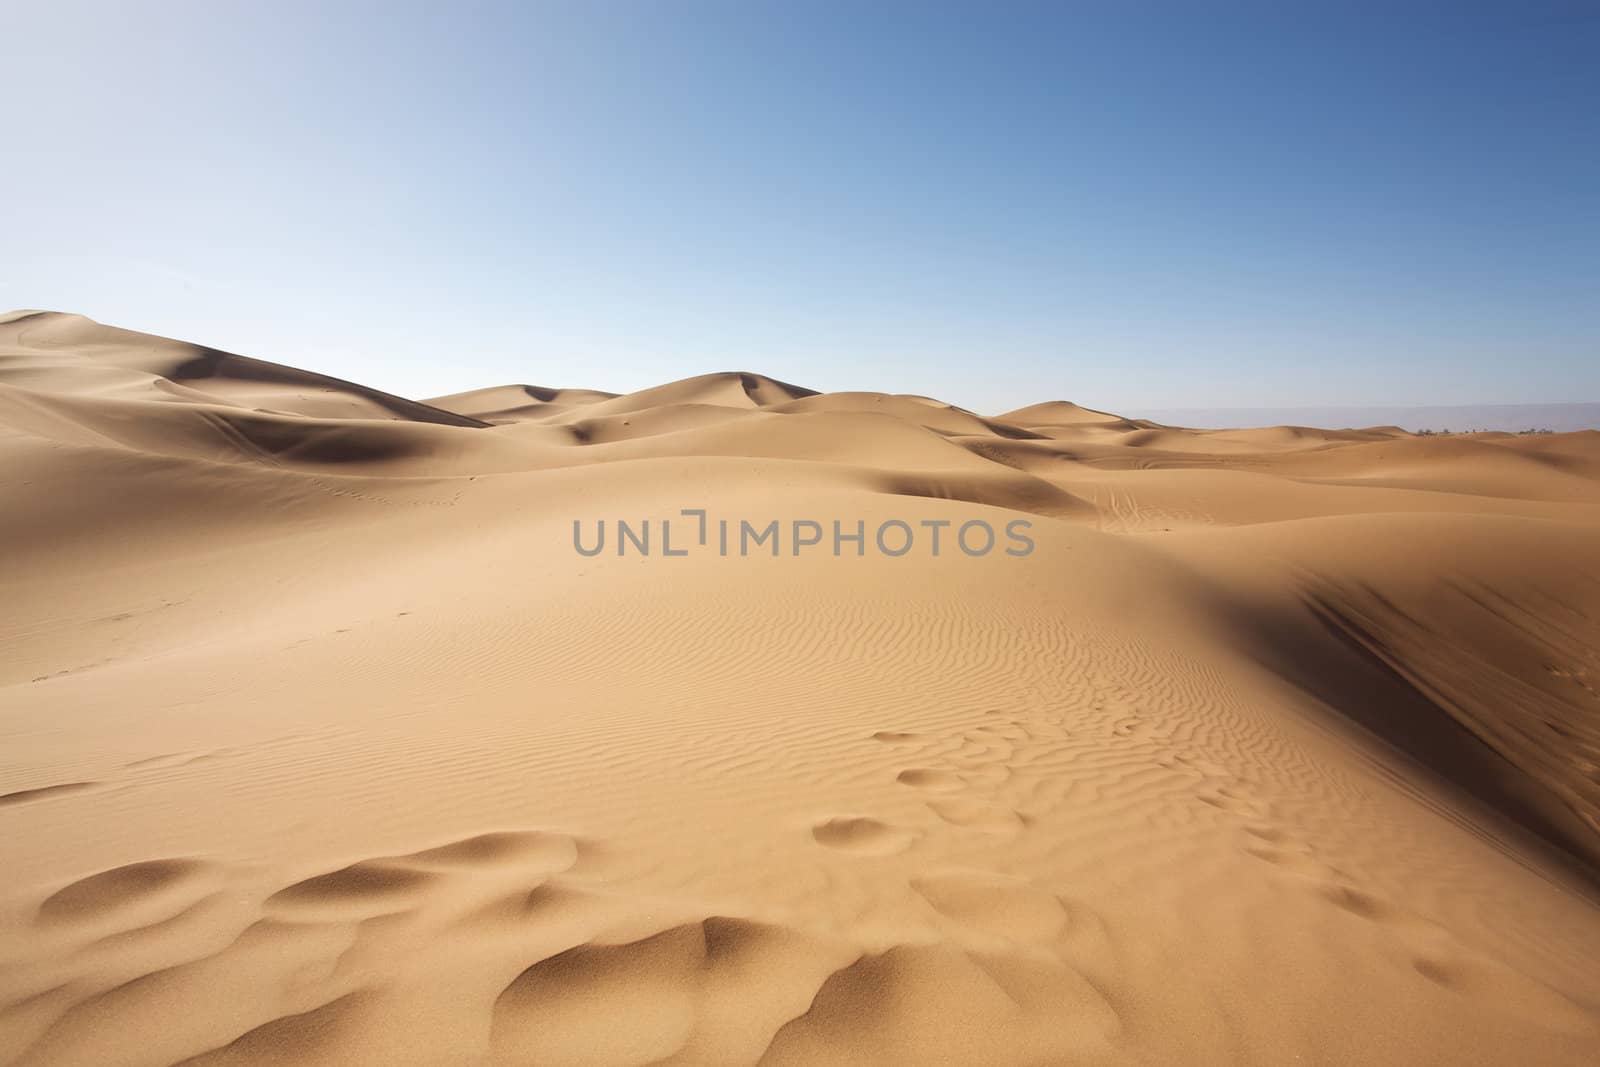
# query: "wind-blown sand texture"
{"type": "Point", "coordinates": [322, 745]}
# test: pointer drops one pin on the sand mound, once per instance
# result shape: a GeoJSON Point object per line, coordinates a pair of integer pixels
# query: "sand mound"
{"type": "Point", "coordinates": [515, 403]}
{"type": "Point", "coordinates": [735, 389]}
{"type": "Point", "coordinates": [1061, 413]}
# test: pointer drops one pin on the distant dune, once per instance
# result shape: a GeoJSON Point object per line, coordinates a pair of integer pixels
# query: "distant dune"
{"type": "Point", "coordinates": [1511, 418]}
{"type": "Point", "coordinates": [326, 743]}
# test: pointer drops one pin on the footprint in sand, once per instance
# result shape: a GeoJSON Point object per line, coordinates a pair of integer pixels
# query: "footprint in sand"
{"type": "Point", "coordinates": [1437, 957]}
{"type": "Point", "coordinates": [1498, 987]}
{"type": "Point", "coordinates": [863, 834]}
{"type": "Point", "coordinates": [1294, 862]}
{"type": "Point", "coordinates": [980, 748]}
{"type": "Point", "coordinates": [1232, 799]}
{"type": "Point", "coordinates": [934, 781]}
{"type": "Point", "coordinates": [970, 813]}
{"type": "Point", "coordinates": [1277, 846]}
{"type": "Point", "coordinates": [1188, 763]}
{"type": "Point", "coordinates": [1179, 765]}
{"type": "Point", "coordinates": [1135, 728]}
{"type": "Point", "coordinates": [1276, 835]}
{"type": "Point", "coordinates": [896, 737]}
{"type": "Point", "coordinates": [1008, 907]}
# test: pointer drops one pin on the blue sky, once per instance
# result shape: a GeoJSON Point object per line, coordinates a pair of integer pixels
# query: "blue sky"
{"type": "Point", "coordinates": [1128, 205]}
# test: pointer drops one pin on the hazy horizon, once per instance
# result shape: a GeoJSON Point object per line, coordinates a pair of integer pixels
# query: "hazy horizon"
{"type": "Point", "coordinates": [1239, 207]}
{"type": "Point", "coordinates": [1560, 418]}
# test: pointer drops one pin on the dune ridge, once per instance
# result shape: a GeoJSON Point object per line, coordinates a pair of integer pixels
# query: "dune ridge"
{"type": "Point", "coordinates": [325, 746]}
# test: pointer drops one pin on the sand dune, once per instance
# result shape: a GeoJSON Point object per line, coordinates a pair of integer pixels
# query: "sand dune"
{"type": "Point", "coordinates": [514, 403]}
{"type": "Point", "coordinates": [324, 745]}
{"type": "Point", "coordinates": [740, 390]}
{"type": "Point", "coordinates": [918, 411]}
{"type": "Point", "coordinates": [69, 354]}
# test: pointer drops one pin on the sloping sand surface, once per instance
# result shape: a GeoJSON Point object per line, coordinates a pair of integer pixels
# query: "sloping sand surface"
{"type": "Point", "coordinates": [516, 403]}
{"type": "Point", "coordinates": [324, 744]}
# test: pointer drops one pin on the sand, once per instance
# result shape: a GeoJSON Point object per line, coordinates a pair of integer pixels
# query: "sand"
{"type": "Point", "coordinates": [323, 745]}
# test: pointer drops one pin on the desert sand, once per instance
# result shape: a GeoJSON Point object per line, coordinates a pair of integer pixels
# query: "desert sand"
{"type": "Point", "coordinates": [323, 745]}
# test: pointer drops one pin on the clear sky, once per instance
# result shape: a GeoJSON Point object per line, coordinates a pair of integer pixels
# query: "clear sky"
{"type": "Point", "coordinates": [1129, 205]}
